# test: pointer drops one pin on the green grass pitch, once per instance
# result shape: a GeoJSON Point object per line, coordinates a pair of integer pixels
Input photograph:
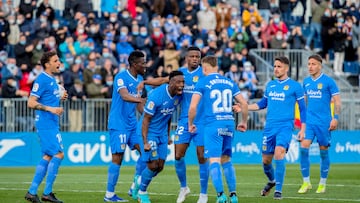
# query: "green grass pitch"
{"type": "Point", "coordinates": [88, 184]}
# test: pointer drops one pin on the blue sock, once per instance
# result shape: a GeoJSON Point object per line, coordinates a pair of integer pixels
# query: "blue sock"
{"type": "Point", "coordinates": [113, 175]}
{"type": "Point", "coordinates": [140, 166]}
{"type": "Point", "coordinates": [279, 174]}
{"type": "Point", "coordinates": [204, 177]}
{"type": "Point", "coordinates": [146, 177]}
{"type": "Point", "coordinates": [304, 162]}
{"type": "Point", "coordinates": [180, 169]}
{"type": "Point", "coordinates": [229, 173]}
{"type": "Point", "coordinates": [324, 163]}
{"type": "Point", "coordinates": [53, 169]}
{"type": "Point", "coordinates": [40, 173]}
{"type": "Point", "coordinates": [269, 171]}
{"type": "Point", "coordinates": [216, 177]}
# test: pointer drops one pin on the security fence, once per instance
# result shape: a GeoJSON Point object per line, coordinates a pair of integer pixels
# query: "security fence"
{"type": "Point", "coordinates": [91, 115]}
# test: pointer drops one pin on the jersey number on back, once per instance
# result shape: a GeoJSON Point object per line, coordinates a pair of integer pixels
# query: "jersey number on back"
{"type": "Point", "coordinates": [223, 100]}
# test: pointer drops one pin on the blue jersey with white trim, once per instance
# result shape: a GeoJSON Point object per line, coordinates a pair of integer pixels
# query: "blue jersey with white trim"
{"type": "Point", "coordinates": [217, 94]}
{"type": "Point", "coordinates": [160, 105]}
{"type": "Point", "coordinates": [319, 92]}
{"type": "Point", "coordinates": [191, 79]}
{"type": "Point", "coordinates": [47, 91]}
{"type": "Point", "coordinates": [122, 114]}
{"type": "Point", "coordinates": [281, 98]}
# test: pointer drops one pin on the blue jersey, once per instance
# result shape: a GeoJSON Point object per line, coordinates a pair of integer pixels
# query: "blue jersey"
{"type": "Point", "coordinates": [191, 79]}
{"type": "Point", "coordinates": [217, 94]}
{"type": "Point", "coordinates": [46, 90]}
{"type": "Point", "coordinates": [281, 98]}
{"type": "Point", "coordinates": [122, 113]}
{"type": "Point", "coordinates": [319, 92]}
{"type": "Point", "coordinates": [160, 105]}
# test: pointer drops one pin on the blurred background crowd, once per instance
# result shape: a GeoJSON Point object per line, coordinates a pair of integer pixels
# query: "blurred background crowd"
{"type": "Point", "coordinates": [95, 37]}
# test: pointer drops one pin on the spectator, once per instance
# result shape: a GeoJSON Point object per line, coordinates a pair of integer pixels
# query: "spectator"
{"type": "Point", "coordinates": [296, 40]}
{"type": "Point", "coordinates": [141, 17]}
{"type": "Point", "coordinates": [4, 31]}
{"type": "Point", "coordinates": [10, 89]}
{"type": "Point", "coordinates": [25, 27]}
{"type": "Point", "coordinates": [107, 7]}
{"type": "Point", "coordinates": [223, 15]}
{"type": "Point", "coordinates": [77, 97]}
{"type": "Point", "coordinates": [10, 70]}
{"type": "Point", "coordinates": [91, 70]}
{"type": "Point", "coordinates": [107, 55]}
{"type": "Point", "coordinates": [125, 19]}
{"type": "Point", "coordinates": [46, 7]}
{"type": "Point", "coordinates": [158, 39]}
{"type": "Point", "coordinates": [188, 17]}
{"type": "Point", "coordinates": [248, 13]}
{"type": "Point", "coordinates": [233, 73]}
{"type": "Point", "coordinates": [165, 7]}
{"type": "Point", "coordinates": [206, 19]}
{"type": "Point", "coordinates": [254, 40]}
{"type": "Point", "coordinates": [124, 48]}
{"type": "Point", "coordinates": [226, 60]}
{"type": "Point", "coordinates": [276, 24]}
{"type": "Point", "coordinates": [107, 69]}
{"type": "Point", "coordinates": [35, 72]}
{"type": "Point", "coordinates": [172, 28]}
{"type": "Point", "coordinates": [171, 56]}
{"type": "Point", "coordinates": [23, 52]}
{"type": "Point", "coordinates": [71, 74]}
{"type": "Point", "coordinates": [264, 9]}
{"type": "Point", "coordinates": [240, 38]}
{"type": "Point", "coordinates": [278, 42]}
{"type": "Point", "coordinates": [42, 26]}
{"type": "Point", "coordinates": [14, 35]}
{"type": "Point", "coordinates": [250, 79]}
{"type": "Point", "coordinates": [144, 42]}
{"type": "Point", "coordinates": [25, 84]}
{"type": "Point", "coordinates": [26, 8]}
{"type": "Point", "coordinates": [327, 31]}
{"type": "Point", "coordinates": [8, 8]}
{"type": "Point", "coordinates": [83, 6]}
{"type": "Point", "coordinates": [37, 52]}
{"type": "Point", "coordinates": [109, 81]}
{"type": "Point", "coordinates": [58, 31]}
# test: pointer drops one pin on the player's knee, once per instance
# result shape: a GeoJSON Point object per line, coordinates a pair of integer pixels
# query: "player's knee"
{"type": "Point", "coordinates": [225, 159]}
{"type": "Point", "coordinates": [117, 158]}
{"type": "Point", "coordinates": [153, 166]}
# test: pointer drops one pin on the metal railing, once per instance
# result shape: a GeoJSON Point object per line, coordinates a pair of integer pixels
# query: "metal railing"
{"type": "Point", "coordinates": [91, 115]}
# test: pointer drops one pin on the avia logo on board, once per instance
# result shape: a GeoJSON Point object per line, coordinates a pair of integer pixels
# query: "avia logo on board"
{"type": "Point", "coordinates": [8, 144]}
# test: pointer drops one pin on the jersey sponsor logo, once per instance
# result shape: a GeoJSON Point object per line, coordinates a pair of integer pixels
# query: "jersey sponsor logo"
{"type": "Point", "coordinates": [120, 82]}
{"type": "Point", "coordinates": [151, 105]}
{"type": "Point", "coordinates": [195, 79]}
{"type": "Point", "coordinates": [35, 87]}
{"type": "Point", "coordinates": [277, 95]}
{"type": "Point", "coordinates": [176, 102]}
{"type": "Point", "coordinates": [320, 86]}
{"type": "Point", "coordinates": [286, 87]}
{"type": "Point", "coordinates": [314, 94]}
{"type": "Point", "coordinates": [8, 144]}
{"type": "Point", "coordinates": [167, 111]}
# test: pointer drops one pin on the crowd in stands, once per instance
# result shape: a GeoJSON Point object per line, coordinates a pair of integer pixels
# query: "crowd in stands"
{"type": "Point", "coordinates": [94, 46]}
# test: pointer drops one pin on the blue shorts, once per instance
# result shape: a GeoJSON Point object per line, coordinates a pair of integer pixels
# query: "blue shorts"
{"type": "Point", "coordinates": [322, 134]}
{"type": "Point", "coordinates": [276, 136]}
{"type": "Point", "coordinates": [159, 148]}
{"type": "Point", "coordinates": [51, 142]}
{"type": "Point", "coordinates": [218, 141]}
{"type": "Point", "coordinates": [183, 136]}
{"type": "Point", "coordinates": [120, 138]}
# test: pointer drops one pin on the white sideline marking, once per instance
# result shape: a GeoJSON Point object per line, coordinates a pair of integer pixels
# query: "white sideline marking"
{"type": "Point", "coordinates": [162, 183]}
{"type": "Point", "coordinates": [170, 194]}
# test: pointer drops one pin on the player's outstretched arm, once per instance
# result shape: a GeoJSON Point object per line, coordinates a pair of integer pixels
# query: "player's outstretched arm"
{"type": "Point", "coordinates": [244, 111]}
{"type": "Point", "coordinates": [34, 104]}
{"type": "Point", "coordinates": [128, 97]}
{"type": "Point", "coordinates": [195, 99]}
{"type": "Point", "coordinates": [337, 111]}
{"type": "Point", "coordinates": [152, 81]}
{"type": "Point", "coordinates": [144, 131]}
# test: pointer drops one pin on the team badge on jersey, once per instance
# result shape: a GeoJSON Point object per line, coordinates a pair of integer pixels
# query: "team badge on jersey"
{"type": "Point", "coordinates": [264, 147]}
{"type": "Point", "coordinates": [35, 87]}
{"type": "Point", "coordinates": [176, 102]}
{"type": "Point", "coordinates": [154, 153]}
{"type": "Point", "coordinates": [195, 78]}
{"type": "Point", "coordinates": [286, 87]}
{"type": "Point", "coordinates": [120, 82]}
{"type": "Point", "coordinates": [176, 138]}
{"type": "Point", "coordinates": [151, 105]}
{"type": "Point", "coordinates": [320, 86]}
{"type": "Point", "coordinates": [123, 146]}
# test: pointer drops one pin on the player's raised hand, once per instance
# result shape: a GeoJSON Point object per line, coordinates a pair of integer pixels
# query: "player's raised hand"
{"type": "Point", "coordinates": [242, 127]}
{"type": "Point", "coordinates": [333, 124]}
{"type": "Point", "coordinates": [236, 108]}
{"type": "Point", "coordinates": [192, 128]}
{"type": "Point", "coordinates": [147, 147]}
{"type": "Point", "coordinates": [56, 110]}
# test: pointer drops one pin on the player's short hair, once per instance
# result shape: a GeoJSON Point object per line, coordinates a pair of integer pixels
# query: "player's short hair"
{"type": "Point", "coordinates": [193, 48]}
{"type": "Point", "coordinates": [212, 60]}
{"type": "Point", "coordinates": [46, 57]}
{"type": "Point", "coordinates": [283, 59]}
{"type": "Point", "coordinates": [175, 73]}
{"type": "Point", "coordinates": [133, 57]}
{"type": "Point", "coordinates": [316, 57]}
